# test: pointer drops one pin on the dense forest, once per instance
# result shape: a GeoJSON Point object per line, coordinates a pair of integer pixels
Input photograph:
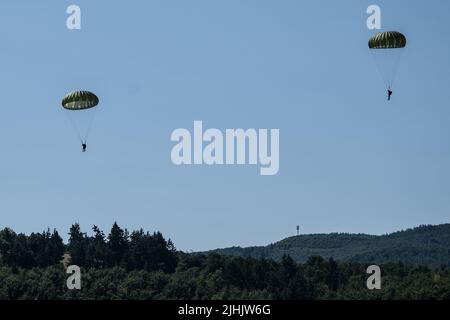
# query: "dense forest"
{"type": "Point", "coordinates": [424, 245]}
{"type": "Point", "coordinates": [143, 265]}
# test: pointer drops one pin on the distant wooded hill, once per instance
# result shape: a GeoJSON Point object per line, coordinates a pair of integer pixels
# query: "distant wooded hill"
{"type": "Point", "coordinates": [425, 245]}
{"type": "Point", "coordinates": [143, 265]}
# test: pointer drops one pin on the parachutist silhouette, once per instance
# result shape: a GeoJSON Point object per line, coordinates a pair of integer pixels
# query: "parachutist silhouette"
{"type": "Point", "coordinates": [387, 48]}
{"type": "Point", "coordinates": [76, 103]}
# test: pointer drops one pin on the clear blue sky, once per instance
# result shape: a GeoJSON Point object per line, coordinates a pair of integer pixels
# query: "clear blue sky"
{"type": "Point", "coordinates": [349, 161]}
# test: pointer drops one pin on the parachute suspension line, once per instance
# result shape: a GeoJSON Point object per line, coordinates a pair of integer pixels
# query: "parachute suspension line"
{"type": "Point", "coordinates": [396, 66]}
{"type": "Point", "coordinates": [91, 121]}
{"type": "Point", "coordinates": [388, 78]}
{"type": "Point", "coordinates": [74, 126]}
{"type": "Point", "coordinates": [384, 77]}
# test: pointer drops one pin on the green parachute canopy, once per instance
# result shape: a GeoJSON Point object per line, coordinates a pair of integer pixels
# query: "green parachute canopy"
{"type": "Point", "coordinates": [80, 100]}
{"type": "Point", "coordinates": [387, 40]}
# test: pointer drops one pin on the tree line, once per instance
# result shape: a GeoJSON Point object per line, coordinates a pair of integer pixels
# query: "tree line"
{"type": "Point", "coordinates": [143, 265]}
{"type": "Point", "coordinates": [137, 250]}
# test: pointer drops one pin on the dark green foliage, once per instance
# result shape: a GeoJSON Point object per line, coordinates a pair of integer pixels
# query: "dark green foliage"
{"type": "Point", "coordinates": [37, 250]}
{"type": "Point", "coordinates": [221, 277]}
{"type": "Point", "coordinates": [141, 266]}
{"type": "Point", "coordinates": [117, 245]}
{"type": "Point", "coordinates": [150, 252]}
{"type": "Point", "coordinates": [136, 251]}
{"type": "Point", "coordinates": [78, 244]}
{"type": "Point", "coordinates": [425, 245]}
